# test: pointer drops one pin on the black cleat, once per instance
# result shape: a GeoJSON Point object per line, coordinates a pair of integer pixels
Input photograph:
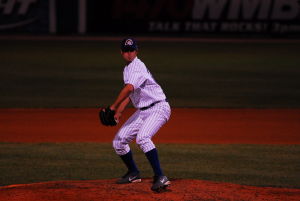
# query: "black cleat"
{"type": "Point", "coordinates": [160, 183]}
{"type": "Point", "coordinates": [129, 177]}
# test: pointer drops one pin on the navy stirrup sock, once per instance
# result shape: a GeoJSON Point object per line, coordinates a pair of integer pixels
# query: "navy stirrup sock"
{"type": "Point", "coordinates": [152, 156]}
{"type": "Point", "coordinates": [129, 162]}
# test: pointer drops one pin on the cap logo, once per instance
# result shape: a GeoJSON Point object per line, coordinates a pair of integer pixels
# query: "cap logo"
{"type": "Point", "coordinates": [129, 42]}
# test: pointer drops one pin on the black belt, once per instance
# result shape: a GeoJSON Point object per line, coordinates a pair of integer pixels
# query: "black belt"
{"type": "Point", "coordinates": [152, 104]}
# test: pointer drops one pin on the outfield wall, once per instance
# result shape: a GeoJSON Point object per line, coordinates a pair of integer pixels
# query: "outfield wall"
{"type": "Point", "coordinates": [165, 17]}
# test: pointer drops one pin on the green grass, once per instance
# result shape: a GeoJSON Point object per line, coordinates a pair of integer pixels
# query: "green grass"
{"type": "Point", "coordinates": [258, 165]}
{"type": "Point", "coordinates": [38, 74]}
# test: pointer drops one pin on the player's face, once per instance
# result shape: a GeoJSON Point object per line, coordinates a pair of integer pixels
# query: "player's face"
{"type": "Point", "coordinates": [129, 56]}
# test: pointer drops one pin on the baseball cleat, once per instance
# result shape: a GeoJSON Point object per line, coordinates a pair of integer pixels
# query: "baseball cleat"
{"type": "Point", "coordinates": [129, 177]}
{"type": "Point", "coordinates": [160, 183]}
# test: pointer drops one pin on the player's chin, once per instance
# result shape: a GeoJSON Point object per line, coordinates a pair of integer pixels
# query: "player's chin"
{"type": "Point", "coordinates": [130, 59]}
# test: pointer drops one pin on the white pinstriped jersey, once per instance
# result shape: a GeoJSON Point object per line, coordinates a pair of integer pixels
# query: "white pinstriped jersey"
{"type": "Point", "coordinates": [146, 89]}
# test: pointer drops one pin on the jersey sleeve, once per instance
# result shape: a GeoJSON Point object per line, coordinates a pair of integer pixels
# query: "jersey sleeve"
{"type": "Point", "coordinates": [135, 77]}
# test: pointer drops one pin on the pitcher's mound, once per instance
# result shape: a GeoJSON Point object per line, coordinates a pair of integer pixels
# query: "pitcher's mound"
{"type": "Point", "coordinates": [107, 190]}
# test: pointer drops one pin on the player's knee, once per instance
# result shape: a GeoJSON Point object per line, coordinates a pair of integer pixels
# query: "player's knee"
{"type": "Point", "coordinates": [145, 144]}
{"type": "Point", "coordinates": [120, 148]}
{"type": "Point", "coordinates": [119, 142]}
{"type": "Point", "coordinates": [140, 141]}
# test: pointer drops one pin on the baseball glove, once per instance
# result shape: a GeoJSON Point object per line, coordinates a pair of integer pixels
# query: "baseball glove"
{"type": "Point", "coordinates": [107, 118]}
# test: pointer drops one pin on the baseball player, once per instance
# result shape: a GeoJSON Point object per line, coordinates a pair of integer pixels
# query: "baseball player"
{"type": "Point", "coordinates": [153, 111]}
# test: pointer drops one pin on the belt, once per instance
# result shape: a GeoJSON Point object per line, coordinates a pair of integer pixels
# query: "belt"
{"type": "Point", "coordinates": [152, 104]}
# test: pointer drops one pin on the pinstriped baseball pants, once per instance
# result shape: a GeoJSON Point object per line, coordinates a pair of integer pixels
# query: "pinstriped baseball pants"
{"type": "Point", "coordinates": [142, 125]}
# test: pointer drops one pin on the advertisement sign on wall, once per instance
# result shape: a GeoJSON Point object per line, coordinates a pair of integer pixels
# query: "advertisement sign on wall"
{"type": "Point", "coordinates": [195, 16]}
{"type": "Point", "coordinates": [24, 16]}
{"type": "Point", "coordinates": [267, 17]}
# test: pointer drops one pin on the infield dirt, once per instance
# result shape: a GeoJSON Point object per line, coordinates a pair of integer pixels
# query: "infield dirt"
{"type": "Point", "coordinates": [208, 126]}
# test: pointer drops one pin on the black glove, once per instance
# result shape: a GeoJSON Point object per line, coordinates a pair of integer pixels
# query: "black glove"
{"type": "Point", "coordinates": [107, 118]}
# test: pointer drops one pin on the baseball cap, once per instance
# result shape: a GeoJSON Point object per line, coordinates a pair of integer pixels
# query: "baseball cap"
{"type": "Point", "coordinates": [128, 44]}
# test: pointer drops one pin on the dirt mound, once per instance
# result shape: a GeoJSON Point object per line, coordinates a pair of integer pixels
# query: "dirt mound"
{"type": "Point", "coordinates": [108, 190]}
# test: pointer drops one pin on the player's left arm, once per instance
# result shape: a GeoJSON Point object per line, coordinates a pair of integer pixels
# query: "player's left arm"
{"type": "Point", "coordinates": [121, 108]}
{"type": "Point", "coordinates": [123, 95]}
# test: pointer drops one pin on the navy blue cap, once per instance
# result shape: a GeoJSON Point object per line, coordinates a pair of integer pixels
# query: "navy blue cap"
{"type": "Point", "coordinates": [128, 44]}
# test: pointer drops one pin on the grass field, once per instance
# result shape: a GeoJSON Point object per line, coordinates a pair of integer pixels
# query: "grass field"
{"type": "Point", "coordinates": [193, 74]}
{"type": "Point", "coordinates": [258, 165]}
